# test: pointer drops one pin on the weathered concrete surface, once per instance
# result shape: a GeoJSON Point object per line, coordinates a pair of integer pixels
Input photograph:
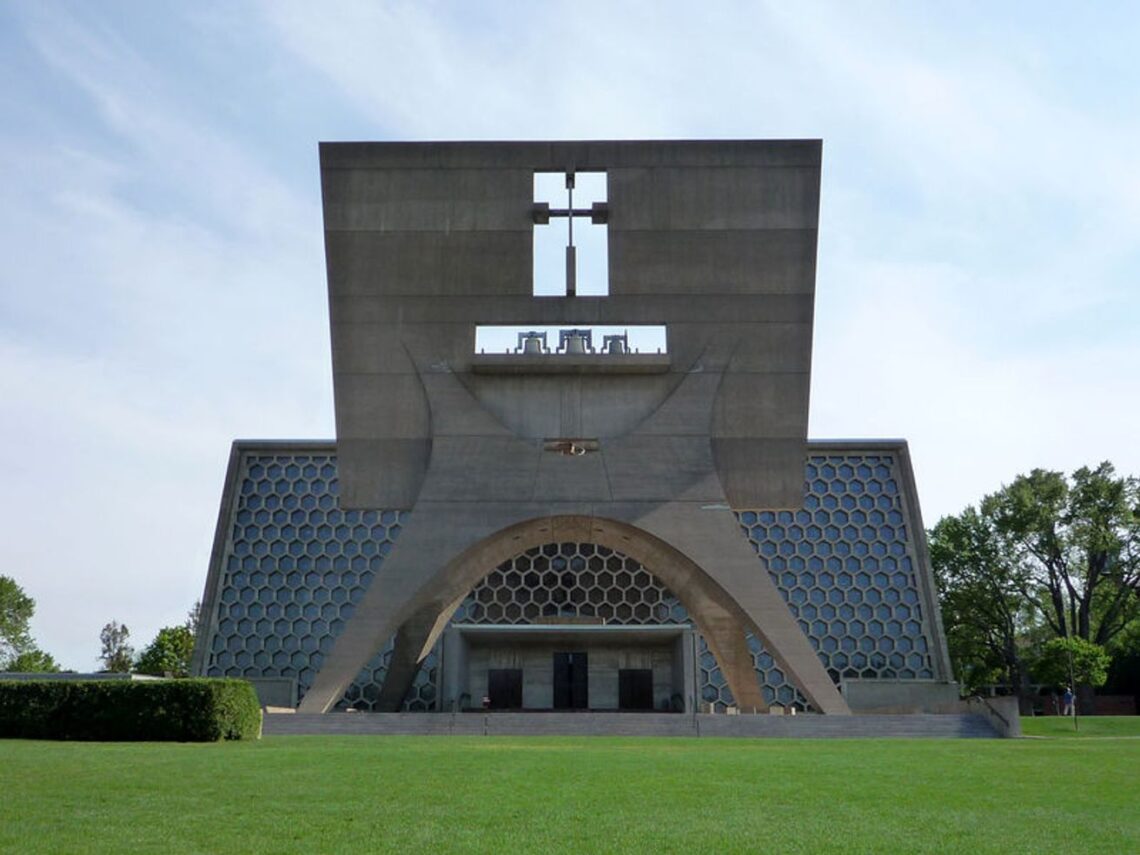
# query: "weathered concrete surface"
{"type": "Point", "coordinates": [714, 239]}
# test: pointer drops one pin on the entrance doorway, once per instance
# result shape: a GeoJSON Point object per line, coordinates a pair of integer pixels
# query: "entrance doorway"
{"type": "Point", "coordinates": [504, 688]}
{"type": "Point", "coordinates": [571, 681]}
{"type": "Point", "coordinates": [635, 689]}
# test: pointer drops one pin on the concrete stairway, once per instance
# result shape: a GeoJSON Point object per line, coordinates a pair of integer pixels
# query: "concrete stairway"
{"type": "Point", "coordinates": [633, 724]}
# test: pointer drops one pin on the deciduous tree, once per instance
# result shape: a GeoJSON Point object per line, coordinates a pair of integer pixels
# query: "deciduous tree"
{"type": "Point", "coordinates": [1064, 660]}
{"type": "Point", "coordinates": [16, 610]}
{"type": "Point", "coordinates": [169, 653]}
{"type": "Point", "coordinates": [33, 660]}
{"type": "Point", "coordinates": [983, 610]}
{"type": "Point", "coordinates": [1079, 543]}
{"type": "Point", "coordinates": [117, 653]}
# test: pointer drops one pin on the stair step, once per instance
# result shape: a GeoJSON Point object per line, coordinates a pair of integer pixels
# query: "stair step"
{"type": "Point", "coordinates": [962, 726]}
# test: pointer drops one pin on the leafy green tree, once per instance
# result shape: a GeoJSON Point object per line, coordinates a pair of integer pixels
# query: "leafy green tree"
{"type": "Point", "coordinates": [169, 653]}
{"type": "Point", "coordinates": [117, 653]}
{"type": "Point", "coordinates": [33, 660]}
{"type": "Point", "coordinates": [1044, 557]}
{"type": "Point", "coordinates": [1062, 660]}
{"type": "Point", "coordinates": [983, 610]}
{"type": "Point", "coordinates": [16, 610]}
{"type": "Point", "coordinates": [1079, 544]}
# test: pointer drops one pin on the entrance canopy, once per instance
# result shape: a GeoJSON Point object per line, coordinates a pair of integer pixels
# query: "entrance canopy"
{"type": "Point", "coordinates": [569, 666]}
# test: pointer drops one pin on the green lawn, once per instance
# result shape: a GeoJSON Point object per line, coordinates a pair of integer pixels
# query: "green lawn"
{"type": "Point", "coordinates": [411, 794]}
{"type": "Point", "coordinates": [1091, 726]}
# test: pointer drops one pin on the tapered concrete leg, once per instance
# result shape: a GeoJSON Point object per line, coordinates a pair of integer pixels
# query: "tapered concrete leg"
{"type": "Point", "coordinates": [405, 660]}
{"type": "Point", "coordinates": [730, 648]}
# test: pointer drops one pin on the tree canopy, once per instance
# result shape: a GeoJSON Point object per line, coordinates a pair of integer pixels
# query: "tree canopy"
{"type": "Point", "coordinates": [1062, 661]}
{"type": "Point", "coordinates": [18, 652]}
{"type": "Point", "coordinates": [1078, 543]}
{"type": "Point", "coordinates": [169, 653]}
{"type": "Point", "coordinates": [1045, 557]}
{"type": "Point", "coordinates": [117, 653]}
{"type": "Point", "coordinates": [16, 610]}
{"type": "Point", "coordinates": [33, 660]}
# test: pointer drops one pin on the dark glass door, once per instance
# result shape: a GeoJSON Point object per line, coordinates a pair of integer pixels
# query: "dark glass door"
{"type": "Point", "coordinates": [571, 681]}
{"type": "Point", "coordinates": [504, 688]}
{"type": "Point", "coordinates": [635, 689]}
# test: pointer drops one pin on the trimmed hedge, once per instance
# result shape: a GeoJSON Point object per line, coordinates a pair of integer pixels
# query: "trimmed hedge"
{"type": "Point", "coordinates": [198, 710]}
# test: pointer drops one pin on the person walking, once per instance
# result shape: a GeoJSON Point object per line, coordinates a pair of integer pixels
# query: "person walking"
{"type": "Point", "coordinates": [1067, 700]}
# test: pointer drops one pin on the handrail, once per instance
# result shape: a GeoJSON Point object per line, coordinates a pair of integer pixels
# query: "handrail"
{"type": "Point", "coordinates": [992, 709]}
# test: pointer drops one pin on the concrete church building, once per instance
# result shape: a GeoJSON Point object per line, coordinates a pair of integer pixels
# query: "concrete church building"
{"type": "Point", "coordinates": [528, 507]}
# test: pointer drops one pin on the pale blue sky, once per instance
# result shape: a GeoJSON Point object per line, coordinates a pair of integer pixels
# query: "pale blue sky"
{"type": "Point", "coordinates": [163, 281]}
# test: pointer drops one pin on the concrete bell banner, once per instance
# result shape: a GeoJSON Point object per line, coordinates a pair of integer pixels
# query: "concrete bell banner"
{"type": "Point", "coordinates": [569, 523]}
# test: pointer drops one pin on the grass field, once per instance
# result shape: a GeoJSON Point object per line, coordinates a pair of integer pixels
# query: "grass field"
{"type": "Point", "coordinates": [1087, 726]}
{"type": "Point", "coordinates": [411, 794]}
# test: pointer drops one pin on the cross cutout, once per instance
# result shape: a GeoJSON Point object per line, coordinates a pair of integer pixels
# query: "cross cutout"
{"type": "Point", "coordinates": [598, 212]}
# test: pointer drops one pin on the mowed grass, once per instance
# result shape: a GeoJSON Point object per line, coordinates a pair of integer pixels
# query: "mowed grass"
{"type": "Point", "coordinates": [411, 794]}
{"type": "Point", "coordinates": [1087, 727]}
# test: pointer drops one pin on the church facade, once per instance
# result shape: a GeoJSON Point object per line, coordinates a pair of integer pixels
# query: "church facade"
{"type": "Point", "coordinates": [584, 484]}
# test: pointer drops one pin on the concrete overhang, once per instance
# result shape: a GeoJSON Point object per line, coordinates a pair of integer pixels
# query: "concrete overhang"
{"type": "Point", "coordinates": [558, 363]}
{"type": "Point", "coordinates": [482, 634]}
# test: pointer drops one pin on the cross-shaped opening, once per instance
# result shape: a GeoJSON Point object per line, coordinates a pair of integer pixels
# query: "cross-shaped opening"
{"type": "Point", "coordinates": [571, 247]}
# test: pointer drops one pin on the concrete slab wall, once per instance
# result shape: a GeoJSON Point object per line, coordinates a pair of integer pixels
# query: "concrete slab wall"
{"type": "Point", "coordinates": [714, 239]}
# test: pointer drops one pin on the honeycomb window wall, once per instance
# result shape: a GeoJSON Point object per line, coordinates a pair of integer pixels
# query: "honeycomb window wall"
{"type": "Point", "coordinates": [294, 566]}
